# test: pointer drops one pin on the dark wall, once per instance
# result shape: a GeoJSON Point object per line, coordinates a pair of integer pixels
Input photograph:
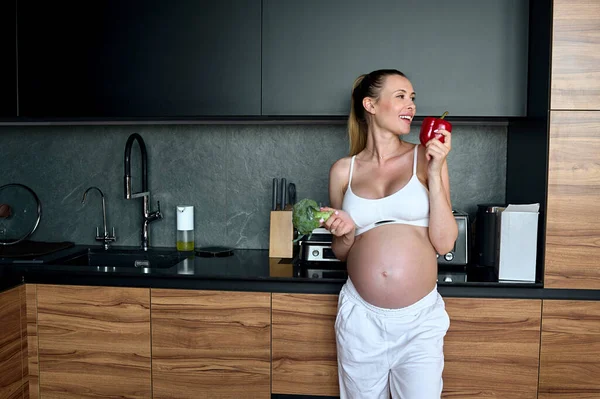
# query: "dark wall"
{"type": "Point", "coordinates": [224, 171]}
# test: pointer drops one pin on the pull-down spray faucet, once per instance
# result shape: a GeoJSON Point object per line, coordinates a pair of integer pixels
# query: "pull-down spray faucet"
{"type": "Point", "coordinates": [147, 216]}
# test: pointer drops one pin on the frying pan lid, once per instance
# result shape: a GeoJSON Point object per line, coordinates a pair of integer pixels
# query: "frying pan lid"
{"type": "Point", "coordinates": [20, 213]}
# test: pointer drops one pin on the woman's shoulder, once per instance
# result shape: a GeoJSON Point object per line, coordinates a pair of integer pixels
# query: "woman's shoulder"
{"type": "Point", "coordinates": [339, 177]}
{"type": "Point", "coordinates": [340, 168]}
{"type": "Point", "coordinates": [420, 150]}
{"type": "Point", "coordinates": [422, 164]}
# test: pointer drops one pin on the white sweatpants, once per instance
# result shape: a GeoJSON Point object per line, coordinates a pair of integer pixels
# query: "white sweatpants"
{"type": "Point", "coordinates": [382, 351]}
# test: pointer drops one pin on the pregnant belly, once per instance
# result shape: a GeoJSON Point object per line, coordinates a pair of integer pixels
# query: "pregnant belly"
{"type": "Point", "coordinates": [393, 266]}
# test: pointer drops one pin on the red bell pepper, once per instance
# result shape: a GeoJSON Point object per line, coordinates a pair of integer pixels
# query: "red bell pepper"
{"type": "Point", "coordinates": [430, 124]}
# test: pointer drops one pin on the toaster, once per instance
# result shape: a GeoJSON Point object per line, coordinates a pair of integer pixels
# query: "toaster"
{"type": "Point", "coordinates": [317, 247]}
{"type": "Point", "coordinates": [459, 255]}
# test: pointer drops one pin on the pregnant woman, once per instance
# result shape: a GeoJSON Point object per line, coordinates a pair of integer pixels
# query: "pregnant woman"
{"type": "Point", "coordinates": [392, 215]}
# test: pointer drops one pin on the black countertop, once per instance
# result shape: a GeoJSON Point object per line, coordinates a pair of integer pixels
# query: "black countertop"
{"type": "Point", "coordinates": [245, 270]}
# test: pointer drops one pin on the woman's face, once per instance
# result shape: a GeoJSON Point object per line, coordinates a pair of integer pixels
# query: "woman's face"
{"type": "Point", "coordinates": [395, 108]}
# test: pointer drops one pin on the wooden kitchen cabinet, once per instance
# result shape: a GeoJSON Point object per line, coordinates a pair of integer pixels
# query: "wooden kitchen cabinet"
{"type": "Point", "coordinates": [32, 368]}
{"type": "Point", "coordinates": [572, 246]}
{"type": "Point", "coordinates": [570, 350]}
{"type": "Point", "coordinates": [12, 344]}
{"type": "Point", "coordinates": [139, 59]}
{"type": "Point", "coordinates": [576, 55]}
{"type": "Point", "coordinates": [474, 57]}
{"type": "Point", "coordinates": [304, 347]}
{"type": "Point", "coordinates": [94, 342]}
{"type": "Point", "coordinates": [211, 344]}
{"type": "Point", "coordinates": [492, 348]}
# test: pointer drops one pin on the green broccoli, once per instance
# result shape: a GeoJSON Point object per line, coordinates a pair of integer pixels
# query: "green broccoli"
{"type": "Point", "coordinates": [306, 215]}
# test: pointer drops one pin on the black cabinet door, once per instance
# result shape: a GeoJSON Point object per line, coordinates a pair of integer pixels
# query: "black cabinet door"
{"type": "Point", "coordinates": [139, 58]}
{"type": "Point", "coordinates": [465, 56]}
{"type": "Point", "coordinates": [8, 49]}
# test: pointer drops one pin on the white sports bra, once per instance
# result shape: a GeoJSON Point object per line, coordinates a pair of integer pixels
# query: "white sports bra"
{"type": "Point", "coordinates": [409, 205]}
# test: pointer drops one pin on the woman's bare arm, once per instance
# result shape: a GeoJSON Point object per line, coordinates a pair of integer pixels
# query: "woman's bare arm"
{"type": "Point", "coordinates": [340, 224]}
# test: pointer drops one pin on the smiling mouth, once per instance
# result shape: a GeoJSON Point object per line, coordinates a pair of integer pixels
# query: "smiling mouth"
{"type": "Point", "coordinates": [406, 118]}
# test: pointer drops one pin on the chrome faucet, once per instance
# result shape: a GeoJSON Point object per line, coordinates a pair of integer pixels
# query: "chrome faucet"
{"type": "Point", "coordinates": [147, 216]}
{"type": "Point", "coordinates": [105, 238]}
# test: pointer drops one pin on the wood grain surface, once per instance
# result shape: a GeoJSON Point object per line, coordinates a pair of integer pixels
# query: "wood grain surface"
{"type": "Point", "coordinates": [576, 55]}
{"type": "Point", "coordinates": [570, 353]}
{"type": "Point", "coordinates": [304, 347]}
{"type": "Point", "coordinates": [573, 228]}
{"type": "Point", "coordinates": [33, 376]}
{"type": "Point", "coordinates": [211, 344]}
{"type": "Point", "coordinates": [281, 235]}
{"type": "Point", "coordinates": [24, 351]}
{"type": "Point", "coordinates": [492, 348]}
{"type": "Point", "coordinates": [94, 342]}
{"type": "Point", "coordinates": [11, 366]}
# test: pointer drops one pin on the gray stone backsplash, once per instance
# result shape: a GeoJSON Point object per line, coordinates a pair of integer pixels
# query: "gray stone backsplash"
{"type": "Point", "coordinates": [224, 171]}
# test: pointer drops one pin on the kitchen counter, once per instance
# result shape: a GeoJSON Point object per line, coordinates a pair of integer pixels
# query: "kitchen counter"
{"type": "Point", "coordinates": [245, 270]}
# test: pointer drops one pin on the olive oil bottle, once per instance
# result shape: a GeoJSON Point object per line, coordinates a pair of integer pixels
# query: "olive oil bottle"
{"type": "Point", "coordinates": [185, 228]}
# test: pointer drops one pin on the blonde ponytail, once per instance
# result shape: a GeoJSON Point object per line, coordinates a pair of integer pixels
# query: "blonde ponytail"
{"type": "Point", "coordinates": [357, 125]}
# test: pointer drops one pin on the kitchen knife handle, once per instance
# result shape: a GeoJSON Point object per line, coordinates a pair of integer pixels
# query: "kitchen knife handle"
{"type": "Point", "coordinates": [275, 192]}
{"type": "Point", "coordinates": [291, 194]}
{"type": "Point", "coordinates": [283, 193]}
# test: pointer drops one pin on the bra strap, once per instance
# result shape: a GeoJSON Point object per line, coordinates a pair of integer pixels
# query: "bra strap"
{"type": "Point", "coordinates": [351, 169]}
{"type": "Point", "coordinates": [414, 162]}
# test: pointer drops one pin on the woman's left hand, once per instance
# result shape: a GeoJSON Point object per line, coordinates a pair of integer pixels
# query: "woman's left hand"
{"type": "Point", "coordinates": [436, 152]}
{"type": "Point", "coordinates": [339, 223]}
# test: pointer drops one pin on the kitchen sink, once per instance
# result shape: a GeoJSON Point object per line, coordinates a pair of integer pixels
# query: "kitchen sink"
{"type": "Point", "coordinates": [150, 259]}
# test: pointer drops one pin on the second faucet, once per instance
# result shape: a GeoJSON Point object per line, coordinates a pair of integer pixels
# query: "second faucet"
{"type": "Point", "coordinates": [106, 238]}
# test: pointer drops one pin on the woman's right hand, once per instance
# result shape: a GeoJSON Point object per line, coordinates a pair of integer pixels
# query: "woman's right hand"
{"type": "Point", "coordinates": [339, 223]}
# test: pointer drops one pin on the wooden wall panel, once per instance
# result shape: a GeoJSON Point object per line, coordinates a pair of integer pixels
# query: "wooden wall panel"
{"type": "Point", "coordinates": [94, 342]}
{"type": "Point", "coordinates": [24, 358]}
{"type": "Point", "coordinates": [304, 346]}
{"type": "Point", "coordinates": [11, 367]}
{"type": "Point", "coordinates": [576, 55]}
{"type": "Point", "coordinates": [211, 344]}
{"type": "Point", "coordinates": [573, 231]}
{"type": "Point", "coordinates": [33, 376]}
{"type": "Point", "coordinates": [570, 353]}
{"type": "Point", "coordinates": [492, 348]}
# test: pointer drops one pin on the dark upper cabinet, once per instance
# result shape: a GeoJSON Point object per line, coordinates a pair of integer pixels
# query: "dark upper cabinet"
{"type": "Point", "coordinates": [8, 49]}
{"type": "Point", "coordinates": [465, 56]}
{"type": "Point", "coordinates": [139, 58]}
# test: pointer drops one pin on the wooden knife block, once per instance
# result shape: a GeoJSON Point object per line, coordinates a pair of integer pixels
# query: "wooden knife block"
{"type": "Point", "coordinates": [281, 235]}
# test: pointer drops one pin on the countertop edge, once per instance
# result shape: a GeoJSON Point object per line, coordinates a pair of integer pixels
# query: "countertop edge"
{"type": "Point", "coordinates": [13, 275]}
{"type": "Point", "coordinates": [320, 286]}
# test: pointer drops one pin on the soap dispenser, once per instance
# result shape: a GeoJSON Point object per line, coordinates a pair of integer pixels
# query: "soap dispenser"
{"type": "Point", "coordinates": [185, 228]}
